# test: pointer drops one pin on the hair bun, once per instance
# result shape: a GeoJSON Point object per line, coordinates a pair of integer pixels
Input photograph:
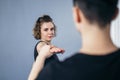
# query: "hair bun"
{"type": "Point", "coordinates": [47, 17]}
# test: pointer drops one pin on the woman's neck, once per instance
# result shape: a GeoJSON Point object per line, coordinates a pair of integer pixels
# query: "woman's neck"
{"type": "Point", "coordinates": [47, 42]}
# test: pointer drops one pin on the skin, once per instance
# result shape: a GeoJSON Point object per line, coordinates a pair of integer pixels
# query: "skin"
{"type": "Point", "coordinates": [47, 31]}
{"type": "Point", "coordinates": [44, 51]}
{"type": "Point", "coordinates": [91, 43]}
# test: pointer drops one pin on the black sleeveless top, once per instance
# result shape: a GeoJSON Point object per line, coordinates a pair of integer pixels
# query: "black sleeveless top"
{"type": "Point", "coordinates": [52, 58]}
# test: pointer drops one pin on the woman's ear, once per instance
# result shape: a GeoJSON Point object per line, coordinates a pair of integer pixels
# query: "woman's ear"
{"type": "Point", "coordinates": [76, 14]}
{"type": "Point", "coordinates": [116, 14]}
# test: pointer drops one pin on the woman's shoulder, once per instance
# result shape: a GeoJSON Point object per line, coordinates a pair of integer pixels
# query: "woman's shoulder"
{"type": "Point", "coordinates": [39, 45]}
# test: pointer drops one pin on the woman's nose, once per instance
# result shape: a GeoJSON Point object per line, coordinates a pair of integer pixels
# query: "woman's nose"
{"type": "Point", "coordinates": [50, 31]}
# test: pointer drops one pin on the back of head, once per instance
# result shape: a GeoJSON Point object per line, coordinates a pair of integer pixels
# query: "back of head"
{"type": "Point", "coordinates": [99, 11]}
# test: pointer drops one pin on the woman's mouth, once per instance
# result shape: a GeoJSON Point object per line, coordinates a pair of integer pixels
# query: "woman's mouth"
{"type": "Point", "coordinates": [50, 36]}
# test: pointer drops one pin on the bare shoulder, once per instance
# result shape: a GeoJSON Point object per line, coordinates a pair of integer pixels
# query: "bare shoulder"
{"type": "Point", "coordinates": [40, 45]}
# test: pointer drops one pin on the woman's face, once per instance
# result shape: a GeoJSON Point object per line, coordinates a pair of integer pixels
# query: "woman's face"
{"type": "Point", "coordinates": [47, 31]}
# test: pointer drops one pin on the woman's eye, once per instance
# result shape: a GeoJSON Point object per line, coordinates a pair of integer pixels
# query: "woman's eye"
{"type": "Point", "coordinates": [52, 29]}
{"type": "Point", "coordinates": [46, 29]}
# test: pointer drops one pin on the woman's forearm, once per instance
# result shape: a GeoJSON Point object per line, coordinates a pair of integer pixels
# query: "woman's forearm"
{"type": "Point", "coordinates": [37, 67]}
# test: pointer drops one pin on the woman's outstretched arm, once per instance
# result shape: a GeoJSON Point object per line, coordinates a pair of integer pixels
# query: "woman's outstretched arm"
{"type": "Point", "coordinates": [45, 52]}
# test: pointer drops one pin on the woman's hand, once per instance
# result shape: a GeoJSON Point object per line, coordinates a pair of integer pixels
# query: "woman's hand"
{"type": "Point", "coordinates": [54, 49]}
{"type": "Point", "coordinates": [48, 50]}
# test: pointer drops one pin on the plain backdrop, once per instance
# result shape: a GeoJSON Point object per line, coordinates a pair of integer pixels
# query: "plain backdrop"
{"type": "Point", "coordinates": [17, 19]}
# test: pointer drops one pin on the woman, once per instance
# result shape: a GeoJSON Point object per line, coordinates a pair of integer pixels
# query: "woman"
{"type": "Point", "coordinates": [45, 31]}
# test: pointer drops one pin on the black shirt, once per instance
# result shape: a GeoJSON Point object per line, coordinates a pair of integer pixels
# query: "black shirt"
{"type": "Point", "coordinates": [48, 60]}
{"type": "Point", "coordinates": [84, 67]}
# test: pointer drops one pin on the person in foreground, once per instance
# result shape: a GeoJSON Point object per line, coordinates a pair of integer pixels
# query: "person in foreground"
{"type": "Point", "coordinates": [98, 58]}
{"type": "Point", "coordinates": [44, 31]}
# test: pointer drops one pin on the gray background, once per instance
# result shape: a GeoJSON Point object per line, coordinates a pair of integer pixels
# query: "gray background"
{"type": "Point", "coordinates": [17, 18]}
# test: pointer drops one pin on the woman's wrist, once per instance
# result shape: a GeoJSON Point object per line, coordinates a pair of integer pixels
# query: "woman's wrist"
{"type": "Point", "coordinates": [41, 57]}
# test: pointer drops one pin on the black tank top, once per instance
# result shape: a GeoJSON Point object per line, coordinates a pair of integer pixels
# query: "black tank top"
{"type": "Point", "coordinates": [52, 58]}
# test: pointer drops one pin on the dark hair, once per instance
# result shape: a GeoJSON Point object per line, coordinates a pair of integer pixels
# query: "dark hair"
{"type": "Point", "coordinates": [100, 11]}
{"type": "Point", "coordinates": [39, 22]}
